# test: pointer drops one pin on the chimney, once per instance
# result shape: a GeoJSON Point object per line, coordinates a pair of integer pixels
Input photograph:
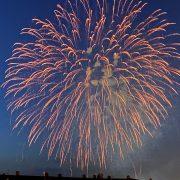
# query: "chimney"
{"type": "Point", "coordinates": [17, 173]}
{"type": "Point", "coordinates": [45, 174]}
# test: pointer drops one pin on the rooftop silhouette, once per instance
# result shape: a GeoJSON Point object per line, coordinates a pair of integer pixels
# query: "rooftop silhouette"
{"type": "Point", "coordinates": [46, 176]}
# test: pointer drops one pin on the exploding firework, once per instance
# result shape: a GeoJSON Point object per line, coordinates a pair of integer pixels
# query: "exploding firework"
{"type": "Point", "coordinates": [94, 80]}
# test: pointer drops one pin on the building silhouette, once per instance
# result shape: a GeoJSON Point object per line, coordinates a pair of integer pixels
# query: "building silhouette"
{"type": "Point", "coordinates": [46, 176]}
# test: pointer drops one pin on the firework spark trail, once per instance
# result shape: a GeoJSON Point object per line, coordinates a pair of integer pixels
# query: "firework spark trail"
{"type": "Point", "coordinates": [95, 82]}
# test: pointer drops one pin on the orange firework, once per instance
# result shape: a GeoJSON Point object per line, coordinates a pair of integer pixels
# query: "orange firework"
{"type": "Point", "coordinates": [94, 80]}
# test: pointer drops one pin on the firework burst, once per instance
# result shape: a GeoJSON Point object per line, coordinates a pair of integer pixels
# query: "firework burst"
{"type": "Point", "coordinates": [94, 80]}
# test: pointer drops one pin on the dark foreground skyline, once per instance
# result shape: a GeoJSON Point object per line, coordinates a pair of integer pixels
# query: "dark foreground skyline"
{"type": "Point", "coordinates": [158, 158]}
{"type": "Point", "coordinates": [59, 177]}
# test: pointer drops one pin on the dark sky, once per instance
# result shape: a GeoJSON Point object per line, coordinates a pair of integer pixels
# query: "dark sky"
{"type": "Point", "coordinates": [158, 158]}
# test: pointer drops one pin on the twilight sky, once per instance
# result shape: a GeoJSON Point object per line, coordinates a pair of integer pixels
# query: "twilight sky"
{"type": "Point", "coordinates": [159, 158]}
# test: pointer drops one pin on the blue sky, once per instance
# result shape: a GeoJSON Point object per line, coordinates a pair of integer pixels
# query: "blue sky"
{"type": "Point", "coordinates": [161, 156]}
